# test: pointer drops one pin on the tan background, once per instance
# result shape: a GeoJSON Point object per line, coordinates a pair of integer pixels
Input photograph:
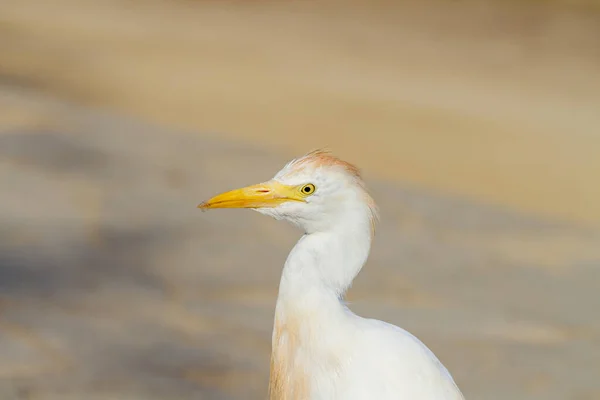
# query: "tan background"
{"type": "Point", "coordinates": [477, 124]}
{"type": "Point", "coordinates": [490, 101]}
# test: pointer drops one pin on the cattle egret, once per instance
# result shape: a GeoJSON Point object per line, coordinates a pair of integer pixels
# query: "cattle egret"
{"type": "Point", "coordinates": [321, 350]}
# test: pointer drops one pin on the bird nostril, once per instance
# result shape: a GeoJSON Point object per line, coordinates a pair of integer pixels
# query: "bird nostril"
{"type": "Point", "coordinates": [263, 190]}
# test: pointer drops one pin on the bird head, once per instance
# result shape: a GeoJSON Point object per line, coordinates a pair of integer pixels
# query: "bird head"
{"type": "Point", "coordinates": [317, 192]}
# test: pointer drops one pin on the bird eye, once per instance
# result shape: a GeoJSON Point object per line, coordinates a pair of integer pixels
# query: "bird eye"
{"type": "Point", "coordinates": [308, 189]}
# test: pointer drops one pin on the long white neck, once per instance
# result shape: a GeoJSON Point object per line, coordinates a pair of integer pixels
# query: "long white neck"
{"type": "Point", "coordinates": [323, 264]}
{"type": "Point", "coordinates": [316, 275]}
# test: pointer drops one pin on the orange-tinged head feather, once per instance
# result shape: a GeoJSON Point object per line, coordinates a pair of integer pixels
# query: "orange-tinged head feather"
{"type": "Point", "coordinates": [323, 158]}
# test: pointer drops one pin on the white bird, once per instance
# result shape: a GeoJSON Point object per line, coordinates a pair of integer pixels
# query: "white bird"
{"type": "Point", "coordinates": [320, 349]}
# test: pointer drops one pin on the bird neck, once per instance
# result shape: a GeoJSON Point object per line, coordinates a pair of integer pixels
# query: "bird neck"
{"type": "Point", "coordinates": [322, 265]}
{"type": "Point", "coordinates": [317, 273]}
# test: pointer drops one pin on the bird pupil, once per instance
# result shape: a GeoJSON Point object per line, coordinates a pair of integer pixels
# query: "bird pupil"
{"type": "Point", "coordinates": [306, 189]}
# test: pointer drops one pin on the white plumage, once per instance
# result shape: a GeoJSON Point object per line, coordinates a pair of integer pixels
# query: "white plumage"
{"type": "Point", "coordinates": [321, 350]}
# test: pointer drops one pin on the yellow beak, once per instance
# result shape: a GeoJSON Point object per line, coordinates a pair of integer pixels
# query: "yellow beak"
{"type": "Point", "coordinates": [268, 194]}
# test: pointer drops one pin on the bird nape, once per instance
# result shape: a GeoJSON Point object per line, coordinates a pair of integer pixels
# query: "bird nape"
{"type": "Point", "coordinates": [321, 349]}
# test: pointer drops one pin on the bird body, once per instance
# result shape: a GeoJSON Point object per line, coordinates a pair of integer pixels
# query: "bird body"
{"type": "Point", "coordinates": [320, 349]}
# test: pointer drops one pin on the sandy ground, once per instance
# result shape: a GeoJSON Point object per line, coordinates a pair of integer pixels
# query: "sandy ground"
{"type": "Point", "coordinates": [118, 117]}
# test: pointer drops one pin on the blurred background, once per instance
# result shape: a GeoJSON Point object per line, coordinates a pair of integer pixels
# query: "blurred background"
{"type": "Point", "coordinates": [477, 126]}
